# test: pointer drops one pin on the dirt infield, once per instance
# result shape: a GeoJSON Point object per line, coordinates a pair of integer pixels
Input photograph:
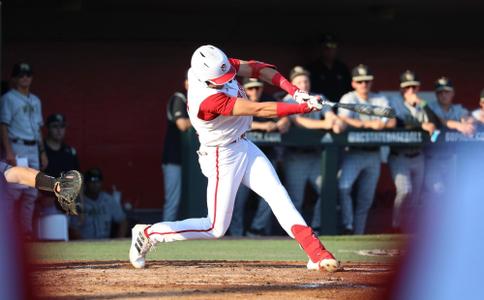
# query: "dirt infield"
{"type": "Point", "coordinates": [208, 279]}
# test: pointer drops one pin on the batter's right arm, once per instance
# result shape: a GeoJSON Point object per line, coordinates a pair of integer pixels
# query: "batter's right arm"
{"type": "Point", "coordinates": [243, 107]}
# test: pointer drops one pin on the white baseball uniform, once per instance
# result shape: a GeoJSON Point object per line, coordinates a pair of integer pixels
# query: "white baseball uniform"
{"type": "Point", "coordinates": [227, 159]}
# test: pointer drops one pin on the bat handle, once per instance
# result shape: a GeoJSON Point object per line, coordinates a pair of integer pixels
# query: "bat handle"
{"type": "Point", "coordinates": [327, 102]}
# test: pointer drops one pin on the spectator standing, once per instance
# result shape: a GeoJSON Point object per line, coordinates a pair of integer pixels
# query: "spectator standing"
{"type": "Point", "coordinates": [441, 161]}
{"type": "Point", "coordinates": [478, 114]}
{"type": "Point", "coordinates": [177, 122]}
{"type": "Point", "coordinates": [360, 164]}
{"type": "Point", "coordinates": [304, 165]}
{"type": "Point", "coordinates": [407, 163]}
{"type": "Point", "coordinates": [329, 75]}
{"type": "Point", "coordinates": [261, 223]}
{"type": "Point", "coordinates": [98, 211]}
{"type": "Point", "coordinates": [453, 116]}
{"type": "Point", "coordinates": [20, 123]}
{"type": "Point", "coordinates": [61, 156]}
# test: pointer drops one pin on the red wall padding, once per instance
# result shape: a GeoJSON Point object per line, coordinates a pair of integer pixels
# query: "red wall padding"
{"type": "Point", "coordinates": [114, 93]}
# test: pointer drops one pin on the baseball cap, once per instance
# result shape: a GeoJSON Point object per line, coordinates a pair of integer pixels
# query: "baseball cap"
{"type": "Point", "coordinates": [482, 95]}
{"type": "Point", "coordinates": [408, 78]}
{"type": "Point", "coordinates": [329, 41]}
{"type": "Point", "coordinates": [93, 174]}
{"type": "Point", "coordinates": [297, 71]}
{"type": "Point", "coordinates": [56, 118]}
{"type": "Point", "coordinates": [252, 82]}
{"type": "Point", "coordinates": [443, 84]}
{"type": "Point", "coordinates": [21, 68]}
{"type": "Point", "coordinates": [361, 73]}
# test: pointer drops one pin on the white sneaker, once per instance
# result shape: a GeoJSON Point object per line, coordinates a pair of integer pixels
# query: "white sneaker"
{"type": "Point", "coordinates": [140, 245]}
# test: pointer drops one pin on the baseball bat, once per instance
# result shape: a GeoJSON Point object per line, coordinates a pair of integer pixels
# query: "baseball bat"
{"type": "Point", "coordinates": [366, 109]}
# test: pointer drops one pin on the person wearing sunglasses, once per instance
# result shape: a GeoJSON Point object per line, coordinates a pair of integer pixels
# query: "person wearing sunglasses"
{"type": "Point", "coordinates": [441, 161]}
{"type": "Point", "coordinates": [360, 165]}
{"type": "Point", "coordinates": [20, 123]}
{"type": "Point", "coordinates": [407, 164]}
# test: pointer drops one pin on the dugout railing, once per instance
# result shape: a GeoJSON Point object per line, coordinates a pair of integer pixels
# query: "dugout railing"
{"type": "Point", "coordinates": [330, 146]}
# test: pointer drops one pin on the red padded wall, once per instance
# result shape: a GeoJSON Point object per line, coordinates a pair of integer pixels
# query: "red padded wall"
{"type": "Point", "coordinates": [114, 93]}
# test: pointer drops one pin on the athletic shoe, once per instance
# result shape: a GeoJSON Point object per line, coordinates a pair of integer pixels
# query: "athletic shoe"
{"type": "Point", "coordinates": [140, 245]}
{"type": "Point", "coordinates": [328, 263]}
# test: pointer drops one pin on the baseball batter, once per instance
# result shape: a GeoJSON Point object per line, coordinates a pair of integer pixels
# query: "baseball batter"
{"type": "Point", "coordinates": [221, 114]}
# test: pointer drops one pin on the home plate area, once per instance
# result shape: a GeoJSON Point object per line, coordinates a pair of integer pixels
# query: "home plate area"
{"type": "Point", "coordinates": [209, 279]}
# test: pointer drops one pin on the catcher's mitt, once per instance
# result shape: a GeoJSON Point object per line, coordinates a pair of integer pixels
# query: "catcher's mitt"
{"type": "Point", "coordinates": [67, 189]}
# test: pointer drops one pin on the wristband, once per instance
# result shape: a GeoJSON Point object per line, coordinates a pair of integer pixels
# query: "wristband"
{"type": "Point", "coordinates": [44, 182]}
{"type": "Point", "coordinates": [285, 109]}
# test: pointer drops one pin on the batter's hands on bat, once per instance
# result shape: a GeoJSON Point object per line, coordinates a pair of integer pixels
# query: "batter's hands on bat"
{"type": "Point", "coordinates": [314, 103]}
{"type": "Point", "coordinates": [301, 96]}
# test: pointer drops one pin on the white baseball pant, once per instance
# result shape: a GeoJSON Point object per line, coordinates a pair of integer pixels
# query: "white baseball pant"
{"type": "Point", "coordinates": [226, 167]}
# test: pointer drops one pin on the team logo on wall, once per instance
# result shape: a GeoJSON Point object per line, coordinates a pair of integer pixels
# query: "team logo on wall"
{"type": "Point", "coordinates": [223, 67]}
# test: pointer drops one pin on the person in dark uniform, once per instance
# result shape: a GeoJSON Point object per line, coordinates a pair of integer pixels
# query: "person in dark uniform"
{"type": "Point", "coordinates": [61, 156]}
{"type": "Point", "coordinates": [329, 75]}
{"type": "Point", "coordinates": [178, 122]}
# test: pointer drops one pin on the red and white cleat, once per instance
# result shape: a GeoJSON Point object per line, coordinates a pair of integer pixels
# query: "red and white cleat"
{"type": "Point", "coordinates": [328, 263]}
{"type": "Point", "coordinates": [319, 257]}
{"type": "Point", "coordinates": [140, 245]}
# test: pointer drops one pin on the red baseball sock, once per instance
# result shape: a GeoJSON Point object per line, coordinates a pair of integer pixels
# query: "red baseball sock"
{"type": "Point", "coordinates": [310, 243]}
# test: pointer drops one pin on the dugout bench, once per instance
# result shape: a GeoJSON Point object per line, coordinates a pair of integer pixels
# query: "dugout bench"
{"type": "Point", "coordinates": [193, 202]}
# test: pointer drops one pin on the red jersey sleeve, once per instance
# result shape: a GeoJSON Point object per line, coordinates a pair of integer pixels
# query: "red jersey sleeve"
{"type": "Point", "coordinates": [215, 105]}
{"type": "Point", "coordinates": [235, 63]}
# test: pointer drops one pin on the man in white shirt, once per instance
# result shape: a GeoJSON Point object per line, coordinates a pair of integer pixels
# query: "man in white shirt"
{"type": "Point", "coordinates": [361, 164]}
{"type": "Point", "coordinates": [20, 122]}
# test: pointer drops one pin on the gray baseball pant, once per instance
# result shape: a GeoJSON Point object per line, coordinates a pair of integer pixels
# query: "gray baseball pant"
{"type": "Point", "coordinates": [172, 179]}
{"type": "Point", "coordinates": [27, 196]}
{"type": "Point", "coordinates": [362, 167]}
{"type": "Point", "coordinates": [408, 176]}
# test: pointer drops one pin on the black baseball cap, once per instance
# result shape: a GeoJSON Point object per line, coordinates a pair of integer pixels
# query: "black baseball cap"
{"type": "Point", "coordinates": [93, 174]}
{"type": "Point", "coordinates": [56, 118]}
{"type": "Point", "coordinates": [21, 68]}
{"type": "Point", "coordinates": [361, 73]}
{"type": "Point", "coordinates": [408, 78]}
{"type": "Point", "coordinates": [443, 84]}
{"type": "Point", "coordinates": [329, 41]}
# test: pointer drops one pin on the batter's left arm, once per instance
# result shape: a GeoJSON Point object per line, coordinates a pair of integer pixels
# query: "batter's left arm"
{"type": "Point", "coordinates": [269, 74]}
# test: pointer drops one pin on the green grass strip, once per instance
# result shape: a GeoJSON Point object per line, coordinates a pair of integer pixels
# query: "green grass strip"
{"type": "Point", "coordinates": [344, 247]}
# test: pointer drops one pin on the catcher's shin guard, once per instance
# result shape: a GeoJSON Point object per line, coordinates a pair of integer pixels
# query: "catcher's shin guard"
{"type": "Point", "coordinates": [140, 245]}
{"type": "Point", "coordinates": [319, 257]}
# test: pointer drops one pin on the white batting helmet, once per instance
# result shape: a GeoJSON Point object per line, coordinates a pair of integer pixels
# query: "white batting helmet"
{"type": "Point", "coordinates": [209, 63]}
